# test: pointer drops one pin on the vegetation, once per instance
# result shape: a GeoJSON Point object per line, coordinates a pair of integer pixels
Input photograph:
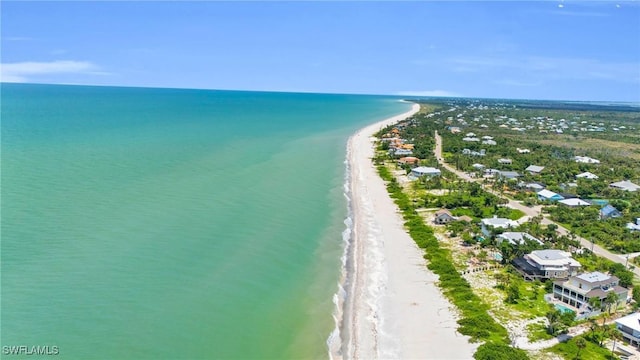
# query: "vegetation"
{"type": "Point", "coordinates": [493, 351]}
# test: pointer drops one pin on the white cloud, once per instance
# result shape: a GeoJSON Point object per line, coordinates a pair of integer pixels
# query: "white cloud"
{"type": "Point", "coordinates": [24, 71]}
{"type": "Point", "coordinates": [442, 93]}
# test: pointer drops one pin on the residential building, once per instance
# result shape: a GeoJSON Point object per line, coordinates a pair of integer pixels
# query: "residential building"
{"type": "Point", "coordinates": [587, 175]}
{"type": "Point", "coordinates": [534, 186]}
{"type": "Point", "coordinates": [400, 152]}
{"type": "Point", "coordinates": [548, 195]}
{"type": "Point", "coordinates": [508, 174]}
{"type": "Point", "coordinates": [425, 171]}
{"type": "Point", "coordinates": [478, 166]}
{"type": "Point", "coordinates": [410, 160]}
{"type": "Point", "coordinates": [629, 326]}
{"type": "Point", "coordinates": [634, 226]}
{"type": "Point", "coordinates": [534, 169]}
{"type": "Point", "coordinates": [496, 223]}
{"type": "Point", "coordinates": [586, 160]}
{"type": "Point", "coordinates": [523, 151]}
{"type": "Point", "coordinates": [516, 238]}
{"type": "Point", "coordinates": [505, 161]}
{"type": "Point", "coordinates": [443, 216]}
{"type": "Point", "coordinates": [608, 212]}
{"type": "Point", "coordinates": [625, 185]}
{"type": "Point", "coordinates": [489, 142]}
{"type": "Point", "coordinates": [578, 290]}
{"type": "Point", "coordinates": [470, 139]}
{"type": "Point", "coordinates": [547, 264]}
{"type": "Point", "coordinates": [574, 202]}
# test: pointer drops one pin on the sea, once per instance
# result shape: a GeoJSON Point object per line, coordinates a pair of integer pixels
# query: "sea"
{"type": "Point", "coordinates": [146, 223]}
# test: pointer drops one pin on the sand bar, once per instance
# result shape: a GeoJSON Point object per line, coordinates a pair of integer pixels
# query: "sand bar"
{"type": "Point", "coordinates": [393, 309]}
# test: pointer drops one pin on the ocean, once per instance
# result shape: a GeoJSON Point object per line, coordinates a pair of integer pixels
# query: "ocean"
{"type": "Point", "coordinates": [170, 223]}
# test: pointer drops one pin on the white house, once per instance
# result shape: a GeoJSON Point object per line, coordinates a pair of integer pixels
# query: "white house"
{"type": "Point", "coordinates": [574, 202]}
{"type": "Point", "coordinates": [587, 175]}
{"type": "Point", "coordinates": [549, 195]}
{"type": "Point", "coordinates": [516, 238]}
{"type": "Point", "coordinates": [634, 226]}
{"type": "Point", "coordinates": [478, 166]}
{"type": "Point", "coordinates": [629, 326]}
{"type": "Point", "coordinates": [505, 161]}
{"type": "Point", "coordinates": [489, 142]}
{"type": "Point", "coordinates": [470, 139]}
{"type": "Point", "coordinates": [547, 264]}
{"type": "Point", "coordinates": [586, 160]}
{"type": "Point", "coordinates": [578, 290]}
{"type": "Point", "coordinates": [534, 169]}
{"type": "Point", "coordinates": [425, 171]}
{"type": "Point", "coordinates": [523, 151]}
{"type": "Point", "coordinates": [625, 185]}
{"type": "Point", "coordinates": [496, 223]}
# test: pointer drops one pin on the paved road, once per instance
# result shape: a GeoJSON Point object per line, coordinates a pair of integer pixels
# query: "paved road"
{"type": "Point", "coordinates": [534, 211]}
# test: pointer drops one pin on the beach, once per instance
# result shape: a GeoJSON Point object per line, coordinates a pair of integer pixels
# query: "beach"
{"type": "Point", "coordinates": [393, 307]}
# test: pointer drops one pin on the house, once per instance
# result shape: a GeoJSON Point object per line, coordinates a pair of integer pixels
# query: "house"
{"type": "Point", "coordinates": [574, 202]}
{"type": "Point", "coordinates": [487, 137]}
{"type": "Point", "coordinates": [409, 160]}
{"type": "Point", "coordinates": [489, 142]}
{"type": "Point", "coordinates": [546, 264]}
{"type": "Point", "coordinates": [516, 238]}
{"type": "Point", "coordinates": [534, 186]}
{"type": "Point", "coordinates": [523, 151]}
{"type": "Point", "coordinates": [443, 216]}
{"type": "Point", "coordinates": [608, 212]}
{"type": "Point", "coordinates": [478, 166]}
{"type": "Point", "coordinates": [505, 161]}
{"type": "Point", "coordinates": [578, 290]}
{"type": "Point", "coordinates": [425, 171]}
{"type": "Point", "coordinates": [625, 185]}
{"type": "Point", "coordinates": [491, 172]}
{"type": "Point", "coordinates": [587, 175]}
{"type": "Point", "coordinates": [534, 169]}
{"type": "Point", "coordinates": [508, 174]}
{"type": "Point", "coordinates": [629, 327]}
{"type": "Point", "coordinates": [548, 195]}
{"type": "Point", "coordinates": [634, 226]}
{"type": "Point", "coordinates": [496, 223]}
{"type": "Point", "coordinates": [400, 152]}
{"type": "Point", "coordinates": [470, 139]}
{"type": "Point", "coordinates": [586, 160]}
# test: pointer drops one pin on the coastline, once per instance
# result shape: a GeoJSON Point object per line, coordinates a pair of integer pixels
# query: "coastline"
{"type": "Point", "coordinates": [391, 305]}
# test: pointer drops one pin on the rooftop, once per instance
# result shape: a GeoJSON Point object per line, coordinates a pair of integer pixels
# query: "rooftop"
{"type": "Point", "coordinates": [534, 168]}
{"type": "Point", "coordinates": [631, 321]}
{"type": "Point", "coordinates": [625, 185]}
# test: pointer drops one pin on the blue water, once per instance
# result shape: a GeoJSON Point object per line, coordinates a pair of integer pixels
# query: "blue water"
{"type": "Point", "coordinates": [163, 223]}
{"type": "Point", "coordinates": [563, 308]}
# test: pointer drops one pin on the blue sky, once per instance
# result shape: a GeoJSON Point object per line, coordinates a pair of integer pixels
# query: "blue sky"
{"type": "Point", "coordinates": [563, 50]}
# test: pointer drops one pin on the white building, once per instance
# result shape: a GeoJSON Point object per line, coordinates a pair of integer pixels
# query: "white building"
{"type": "Point", "coordinates": [586, 160]}
{"type": "Point", "coordinates": [625, 186]}
{"type": "Point", "coordinates": [587, 175]}
{"type": "Point", "coordinates": [574, 202]}
{"type": "Point", "coordinates": [496, 223]}
{"type": "Point", "coordinates": [424, 171]}
{"type": "Point", "coordinates": [516, 238]}
{"type": "Point", "coordinates": [629, 326]}
{"type": "Point", "coordinates": [577, 290]}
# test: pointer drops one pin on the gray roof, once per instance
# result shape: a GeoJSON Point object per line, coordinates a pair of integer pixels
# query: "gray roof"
{"type": "Point", "coordinates": [625, 185]}
{"type": "Point", "coordinates": [509, 174]}
{"type": "Point", "coordinates": [550, 254]}
{"type": "Point", "coordinates": [534, 168]}
{"type": "Point", "coordinates": [517, 237]}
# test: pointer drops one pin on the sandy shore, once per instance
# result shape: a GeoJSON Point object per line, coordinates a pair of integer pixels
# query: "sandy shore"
{"type": "Point", "coordinates": [392, 307]}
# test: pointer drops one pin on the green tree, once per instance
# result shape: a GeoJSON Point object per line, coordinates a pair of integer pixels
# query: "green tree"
{"type": "Point", "coordinates": [553, 321]}
{"type": "Point", "coordinates": [513, 293]}
{"type": "Point", "coordinates": [615, 335]}
{"type": "Point", "coordinates": [611, 300]}
{"type": "Point", "coordinates": [581, 343]}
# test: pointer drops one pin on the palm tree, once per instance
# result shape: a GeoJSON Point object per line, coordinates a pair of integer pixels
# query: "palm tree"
{"type": "Point", "coordinates": [553, 317]}
{"type": "Point", "coordinates": [615, 335]}
{"type": "Point", "coordinates": [581, 343]}
{"type": "Point", "coordinates": [610, 300]}
{"type": "Point", "coordinates": [595, 303]}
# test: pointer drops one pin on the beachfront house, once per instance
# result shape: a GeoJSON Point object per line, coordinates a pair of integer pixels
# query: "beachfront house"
{"type": "Point", "coordinates": [587, 175]}
{"type": "Point", "coordinates": [629, 326]}
{"type": "Point", "coordinates": [424, 171]}
{"type": "Point", "coordinates": [609, 212]}
{"type": "Point", "coordinates": [489, 224]}
{"type": "Point", "coordinates": [574, 202]}
{"type": "Point", "coordinates": [548, 195]}
{"type": "Point", "coordinates": [443, 216]}
{"type": "Point", "coordinates": [625, 186]}
{"type": "Point", "coordinates": [534, 169]}
{"type": "Point", "coordinates": [547, 264]}
{"type": "Point", "coordinates": [516, 238]}
{"type": "Point", "coordinates": [408, 160]}
{"type": "Point", "coordinates": [577, 290]}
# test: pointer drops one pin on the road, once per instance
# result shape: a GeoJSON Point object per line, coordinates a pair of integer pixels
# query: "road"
{"type": "Point", "coordinates": [534, 211]}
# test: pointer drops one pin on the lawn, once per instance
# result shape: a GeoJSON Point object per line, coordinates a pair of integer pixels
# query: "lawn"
{"type": "Point", "coordinates": [569, 350]}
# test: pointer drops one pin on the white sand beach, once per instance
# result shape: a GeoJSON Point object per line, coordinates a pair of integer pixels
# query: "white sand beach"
{"type": "Point", "coordinates": [393, 309]}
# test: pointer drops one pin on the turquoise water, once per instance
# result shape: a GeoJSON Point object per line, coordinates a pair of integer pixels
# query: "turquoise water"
{"type": "Point", "coordinates": [563, 308]}
{"type": "Point", "coordinates": [161, 223]}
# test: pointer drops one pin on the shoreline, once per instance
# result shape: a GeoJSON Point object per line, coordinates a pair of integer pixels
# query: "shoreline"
{"type": "Point", "coordinates": [391, 305]}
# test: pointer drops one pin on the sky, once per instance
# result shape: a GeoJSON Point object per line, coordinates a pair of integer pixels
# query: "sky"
{"type": "Point", "coordinates": [556, 50]}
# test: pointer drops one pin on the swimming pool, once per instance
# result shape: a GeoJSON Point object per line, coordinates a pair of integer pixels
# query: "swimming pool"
{"type": "Point", "coordinates": [563, 308]}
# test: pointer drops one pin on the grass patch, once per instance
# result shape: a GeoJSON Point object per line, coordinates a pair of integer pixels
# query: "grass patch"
{"type": "Point", "coordinates": [538, 332]}
{"type": "Point", "coordinates": [569, 350]}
